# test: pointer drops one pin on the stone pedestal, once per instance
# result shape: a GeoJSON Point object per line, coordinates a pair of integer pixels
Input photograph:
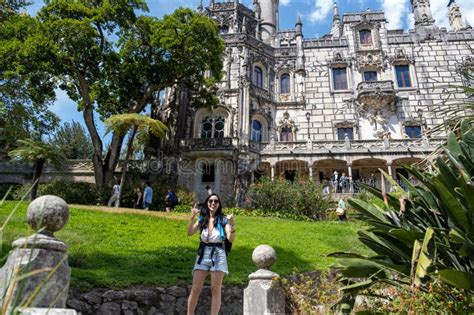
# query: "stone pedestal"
{"type": "Point", "coordinates": [37, 272]}
{"type": "Point", "coordinates": [263, 295]}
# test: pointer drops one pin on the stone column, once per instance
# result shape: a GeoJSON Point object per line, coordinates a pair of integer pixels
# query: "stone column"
{"type": "Point", "coordinates": [310, 171]}
{"type": "Point", "coordinates": [217, 181]}
{"type": "Point", "coordinates": [351, 180]}
{"type": "Point", "coordinates": [263, 295]}
{"type": "Point", "coordinates": [41, 253]}
{"type": "Point", "coordinates": [389, 167]}
{"type": "Point", "coordinates": [272, 171]}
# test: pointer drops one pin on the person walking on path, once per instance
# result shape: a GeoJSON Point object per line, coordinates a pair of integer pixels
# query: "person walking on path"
{"type": "Point", "coordinates": [147, 196]}
{"type": "Point", "coordinates": [138, 203]}
{"type": "Point", "coordinates": [216, 236]}
{"type": "Point", "coordinates": [171, 200]}
{"type": "Point", "coordinates": [115, 198]}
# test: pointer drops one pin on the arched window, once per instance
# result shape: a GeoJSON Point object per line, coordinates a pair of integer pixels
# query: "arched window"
{"type": "Point", "coordinates": [206, 131]}
{"type": "Point", "coordinates": [285, 84]}
{"type": "Point", "coordinates": [286, 134]}
{"type": "Point", "coordinates": [365, 37]}
{"type": "Point", "coordinates": [212, 127]}
{"type": "Point", "coordinates": [219, 127]}
{"type": "Point", "coordinates": [256, 131]}
{"type": "Point", "coordinates": [258, 76]}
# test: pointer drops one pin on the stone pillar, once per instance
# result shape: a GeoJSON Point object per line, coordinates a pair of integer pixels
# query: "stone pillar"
{"type": "Point", "coordinates": [272, 171]}
{"type": "Point", "coordinates": [41, 253]}
{"type": "Point", "coordinates": [351, 180]}
{"type": "Point", "coordinates": [217, 181]}
{"type": "Point", "coordinates": [310, 171]}
{"type": "Point", "coordinates": [263, 295]}
{"type": "Point", "coordinates": [389, 167]}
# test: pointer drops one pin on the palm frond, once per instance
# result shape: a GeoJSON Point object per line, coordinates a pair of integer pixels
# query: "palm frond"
{"type": "Point", "coordinates": [145, 125]}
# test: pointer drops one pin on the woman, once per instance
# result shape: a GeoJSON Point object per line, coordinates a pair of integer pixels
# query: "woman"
{"type": "Point", "coordinates": [214, 228]}
{"type": "Point", "coordinates": [341, 209]}
{"type": "Point", "coordinates": [138, 198]}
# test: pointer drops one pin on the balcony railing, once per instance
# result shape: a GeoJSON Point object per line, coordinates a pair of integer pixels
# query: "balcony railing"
{"type": "Point", "coordinates": [355, 146]}
{"type": "Point", "coordinates": [376, 94]}
{"type": "Point", "coordinates": [208, 144]}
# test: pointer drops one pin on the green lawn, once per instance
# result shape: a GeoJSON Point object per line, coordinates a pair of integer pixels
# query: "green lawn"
{"type": "Point", "coordinates": [119, 249]}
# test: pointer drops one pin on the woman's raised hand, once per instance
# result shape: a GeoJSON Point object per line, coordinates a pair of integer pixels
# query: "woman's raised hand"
{"type": "Point", "coordinates": [230, 218]}
{"type": "Point", "coordinates": [194, 210]}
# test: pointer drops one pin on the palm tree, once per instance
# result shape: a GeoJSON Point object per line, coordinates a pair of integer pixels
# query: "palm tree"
{"type": "Point", "coordinates": [140, 127]}
{"type": "Point", "coordinates": [40, 153]}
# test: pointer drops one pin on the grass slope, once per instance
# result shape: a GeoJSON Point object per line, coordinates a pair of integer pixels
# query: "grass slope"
{"type": "Point", "coordinates": [117, 249]}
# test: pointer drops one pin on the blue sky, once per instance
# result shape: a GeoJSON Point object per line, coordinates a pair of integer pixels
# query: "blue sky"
{"type": "Point", "coordinates": [316, 16]}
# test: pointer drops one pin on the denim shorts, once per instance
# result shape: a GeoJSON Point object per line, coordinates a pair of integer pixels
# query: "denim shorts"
{"type": "Point", "coordinates": [219, 258]}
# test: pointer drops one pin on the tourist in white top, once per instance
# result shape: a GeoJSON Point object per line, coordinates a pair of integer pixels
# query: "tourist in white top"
{"type": "Point", "coordinates": [115, 199]}
{"type": "Point", "coordinates": [215, 229]}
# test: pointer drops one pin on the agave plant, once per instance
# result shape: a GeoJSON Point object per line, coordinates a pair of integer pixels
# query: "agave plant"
{"type": "Point", "coordinates": [422, 233]}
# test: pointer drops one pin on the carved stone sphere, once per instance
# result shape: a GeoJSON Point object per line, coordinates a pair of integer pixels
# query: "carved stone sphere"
{"type": "Point", "coordinates": [264, 256]}
{"type": "Point", "coordinates": [47, 213]}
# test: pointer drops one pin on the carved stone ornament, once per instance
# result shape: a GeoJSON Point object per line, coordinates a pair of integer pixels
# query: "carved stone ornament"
{"type": "Point", "coordinates": [338, 59]}
{"type": "Point", "coordinates": [345, 124]}
{"type": "Point", "coordinates": [371, 60]}
{"type": "Point", "coordinates": [401, 57]}
{"type": "Point", "coordinates": [465, 66]}
{"type": "Point", "coordinates": [287, 122]}
{"type": "Point", "coordinates": [285, 64]}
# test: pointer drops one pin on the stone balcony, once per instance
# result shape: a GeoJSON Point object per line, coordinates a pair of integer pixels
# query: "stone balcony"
{"type": "Point", "coordinates": [215, 144]}
{"type": "Point", "coordinates": [423, 146]}
{"type": "Point", "coordinates": [377, 95]}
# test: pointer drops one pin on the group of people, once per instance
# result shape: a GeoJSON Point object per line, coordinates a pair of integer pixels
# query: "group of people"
{"type": "Point", "coordinates": [143, 199]}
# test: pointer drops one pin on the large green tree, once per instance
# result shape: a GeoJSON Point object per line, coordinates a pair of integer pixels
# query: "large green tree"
{"type": "Point", "coordinates": [25, 92]}
{"type": "Point", "coordinates": [73, 141]}
{"type": "Point", "coordinates": [111, 61]}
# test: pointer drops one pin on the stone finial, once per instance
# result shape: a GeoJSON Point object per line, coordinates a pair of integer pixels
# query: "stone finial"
{"type": "Point", "coordinates": [264, 256]}
{"type": "Point", "coordinates": [42, 254]}
{"type": "Point", "coordinates": [49, 213]}
{"type": "Point", "coordinates": [264, 295]}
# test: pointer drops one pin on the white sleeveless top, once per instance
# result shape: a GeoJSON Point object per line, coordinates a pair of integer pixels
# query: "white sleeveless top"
{"type": "Point", "coordinates": [214, 237]}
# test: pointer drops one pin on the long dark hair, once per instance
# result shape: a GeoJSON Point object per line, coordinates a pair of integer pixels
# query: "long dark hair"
{"type": "Point", "coordinates": [205, 212]}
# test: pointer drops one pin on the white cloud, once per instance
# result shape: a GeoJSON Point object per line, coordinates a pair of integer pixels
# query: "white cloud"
{"type": "Point", "coordinates": [396, 11]}
{"type": "Point", "coordinates": [285, 2]}
{"type": "Point", "coordinates": [321, 10]}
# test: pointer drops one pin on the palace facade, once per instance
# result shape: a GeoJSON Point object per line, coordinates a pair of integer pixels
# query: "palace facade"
{"type": "Point", "coordinates": [358, 99]}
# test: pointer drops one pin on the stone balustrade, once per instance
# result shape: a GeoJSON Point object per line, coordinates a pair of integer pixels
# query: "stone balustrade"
{"type": "Point", "coordinates": [209, 144]}
{"type": "Point", "coordinates": [348, 147]}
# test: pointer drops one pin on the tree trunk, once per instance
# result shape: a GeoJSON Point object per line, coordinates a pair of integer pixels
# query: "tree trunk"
{"type": "Point", "coordinates": [182, 103]}
{"type": "Point", "coordinates": [127, 157]}
{"type": "Point", "coordinates": [37, 170]}
{"type": "Point", "coordinates": [112, 158]}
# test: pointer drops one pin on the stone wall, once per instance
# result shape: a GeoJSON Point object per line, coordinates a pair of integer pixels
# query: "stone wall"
{"type": "Point", "coordinates": [152, 301]}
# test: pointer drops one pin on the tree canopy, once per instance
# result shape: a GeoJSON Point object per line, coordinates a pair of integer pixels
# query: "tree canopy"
{"type": "Point", "coordinates": [109, 59]}
{"type": "Point", "coordinates": [73, 141]}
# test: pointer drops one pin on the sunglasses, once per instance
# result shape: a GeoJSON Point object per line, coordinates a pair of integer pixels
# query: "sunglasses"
{"type": "Point", "coordinates": [213, 201]}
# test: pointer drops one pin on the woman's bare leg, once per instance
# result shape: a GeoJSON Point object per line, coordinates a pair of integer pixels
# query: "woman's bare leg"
{"type": "Point", "coordinates": [198, 281]}
{"type": "Point", "coordinates": [216, 287]}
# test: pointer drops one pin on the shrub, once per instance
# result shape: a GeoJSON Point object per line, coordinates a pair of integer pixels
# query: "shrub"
{"type": "Point", "coordinates": [310, 293]}
{"type": "Point", "coordinates": [4, 189]}
{"type": "Point", "coordinates": [71, 192]}
{"type": "Point", "coordinates": [302, 198]}
{"type": "Point", "coordinates": [438, 299]}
